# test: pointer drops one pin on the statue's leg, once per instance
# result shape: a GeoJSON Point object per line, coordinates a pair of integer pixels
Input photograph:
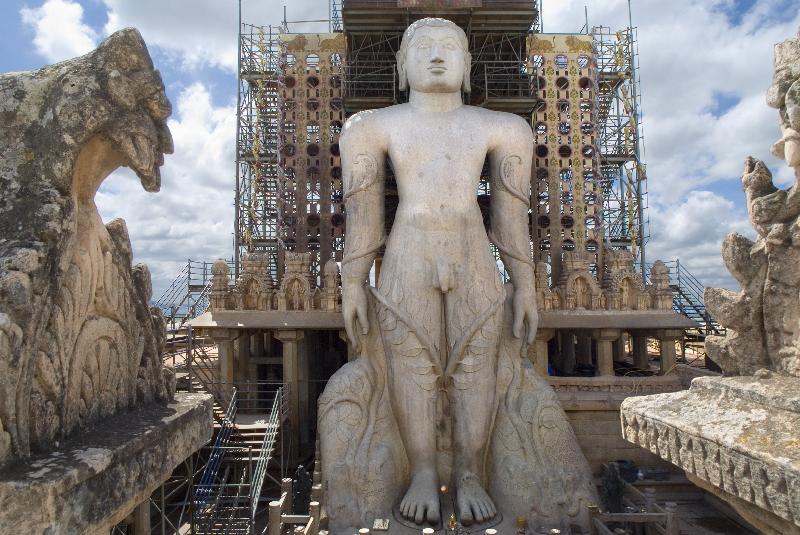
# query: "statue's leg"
{"type": "Point", "coordinates": [411, 323]}
{"type": "Point", "coordinates": [473, 315]}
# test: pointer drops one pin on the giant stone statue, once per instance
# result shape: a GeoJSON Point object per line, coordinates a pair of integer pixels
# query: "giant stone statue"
{"type": "Point", "coordinates": [439, 399]}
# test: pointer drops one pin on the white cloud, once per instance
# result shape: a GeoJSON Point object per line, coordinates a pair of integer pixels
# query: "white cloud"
{"type": "Point", "coordinates": [59, 30]}
{"type": "Point", "coordinates": [192, 215]}
{"type": "Point", "coordinates": [693, 230]}
{"type": "Point", "coordinates": [203, 33]}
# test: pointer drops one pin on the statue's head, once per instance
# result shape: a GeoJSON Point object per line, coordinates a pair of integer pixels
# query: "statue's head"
{"type": "Point", "coordinates": [434, 57]}
{"type": "Point", "coordinates": [784, 94]}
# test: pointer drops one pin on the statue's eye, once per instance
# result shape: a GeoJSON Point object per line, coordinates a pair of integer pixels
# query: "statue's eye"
{"type": "Point", "coordinates": [450, 46]}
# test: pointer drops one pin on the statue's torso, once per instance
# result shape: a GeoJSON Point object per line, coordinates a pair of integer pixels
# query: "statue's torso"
{"type": "Point", "coordinates": [437, 160]}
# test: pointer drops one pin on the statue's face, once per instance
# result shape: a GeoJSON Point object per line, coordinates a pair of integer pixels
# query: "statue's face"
{"type": "Point", "coordinates": [435, 60]}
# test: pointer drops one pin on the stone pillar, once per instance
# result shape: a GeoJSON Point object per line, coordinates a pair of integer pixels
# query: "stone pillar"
{"type": "Point", "coordinates": [141, 518]}
{"type": "Point", "coordinates": [243, 364]}
{"type": "Point", "coordinates": [668, 338]}
{"type": "Point", "coordinates": [539, 354]}
{"type": "Point", "coordinates": [226, 358]}
{"type": "Point", "coordinates": [605, 353]}
{"type": "Point", "coordinates": [640, 358]}
{"type": "Point", "coordinates": [290, 339]}
{"type": "Point", "coordinates": [583, 352]}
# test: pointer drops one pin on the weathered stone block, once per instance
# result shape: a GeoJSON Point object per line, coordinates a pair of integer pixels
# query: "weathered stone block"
{"type": "Point", "coordinates": [95, 479]}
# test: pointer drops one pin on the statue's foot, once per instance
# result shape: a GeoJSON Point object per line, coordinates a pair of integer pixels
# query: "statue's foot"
{"type": "Point", "coordinates": [473, 504]}
{"type": "Point", "coordinates": [421, 502]}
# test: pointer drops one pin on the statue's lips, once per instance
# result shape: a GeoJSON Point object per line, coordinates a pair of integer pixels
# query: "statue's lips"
{"type": "Point", "coordinates": [437, 69]}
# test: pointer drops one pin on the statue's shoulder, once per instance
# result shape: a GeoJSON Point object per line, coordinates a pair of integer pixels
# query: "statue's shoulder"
{"type": "Point", "coordinates": [368, 126]}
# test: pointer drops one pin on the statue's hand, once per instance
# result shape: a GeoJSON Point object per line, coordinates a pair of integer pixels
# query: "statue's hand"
{"type": "Point", "coordinates": [525, 312]}
{"type": "Point", "coordinates": [354, 310]}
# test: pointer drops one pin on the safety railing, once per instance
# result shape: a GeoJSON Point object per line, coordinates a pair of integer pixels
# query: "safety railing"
{"type": "Point", "coordinates": [204, 490]}
{"type": "Point", "coordinates": [267, 450]}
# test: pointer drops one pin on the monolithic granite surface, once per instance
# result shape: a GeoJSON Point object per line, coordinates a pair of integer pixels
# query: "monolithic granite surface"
{"type": "Point", "coordinates": [78, 341]}
{"type": "Point", "coordinates": [739, 437]}
{"type": "Point", "coordinates": [439, 396]}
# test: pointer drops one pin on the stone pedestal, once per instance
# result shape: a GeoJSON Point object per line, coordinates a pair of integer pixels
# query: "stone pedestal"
{"type": "Point", "coordinates": [95, 480]}
{"type": "Point", "coordinates": [736, 437]}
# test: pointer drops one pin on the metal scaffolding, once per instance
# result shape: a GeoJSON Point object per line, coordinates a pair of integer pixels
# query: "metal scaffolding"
{"type": "Point", "coordinates": [257, 158]}
{"type": "Point", "coordinates": [623, 173]}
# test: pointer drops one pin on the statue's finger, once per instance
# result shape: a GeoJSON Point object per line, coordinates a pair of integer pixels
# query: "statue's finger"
{"type": "Point", "coordinates": [363, 320]}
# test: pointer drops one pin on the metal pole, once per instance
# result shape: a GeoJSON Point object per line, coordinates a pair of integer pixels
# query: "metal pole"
{"type": "Point", "coordinates": [237, 199]}
{"type": "Point", "coordinates": [635, 106]}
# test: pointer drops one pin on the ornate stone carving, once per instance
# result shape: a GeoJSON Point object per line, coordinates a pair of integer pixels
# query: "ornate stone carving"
{"type": "Point", "coordinates": [763, 319]}
{"type": "Point", "coordinates": [738, 437]}
{"type": "Point", "coordinates": [439, 395]}
{"type": "Point", "coordinates": [577, 287]}
{"type": "Point", "coordinates": [295, 292]}
{"type": "Point", "coordinates": [78, 341]}
{"type": "Point", "coordinates": [534, 466]}
{"type": "Point", "coordinates": [255, 284]}
{"type": "Point", "coordinates": [660, 291]}
{"type": "Point", "coordinates": [623, 286]}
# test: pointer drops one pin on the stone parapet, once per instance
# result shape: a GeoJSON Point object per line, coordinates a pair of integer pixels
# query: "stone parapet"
{"type": "Point", "coordinates": [96, 479]}
{"type": "Point", "coordinates": [734, 436]}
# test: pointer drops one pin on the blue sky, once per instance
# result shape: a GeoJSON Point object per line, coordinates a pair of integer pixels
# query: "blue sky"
{"type": "Point", "coordinates": [705, 66]}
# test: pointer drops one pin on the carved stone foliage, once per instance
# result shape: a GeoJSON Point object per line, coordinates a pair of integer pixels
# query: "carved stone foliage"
{"type": "Point", "coordinates": [763, 318]}
{"type": "Point", "coordinates": [78, 341]}
{"type": "Point", "coordinates": [534, 465]}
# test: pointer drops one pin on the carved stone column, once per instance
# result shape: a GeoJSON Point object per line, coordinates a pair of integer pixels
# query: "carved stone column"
{"type": "Point", "coordinates": [539, 355]}
{"type": "Point", "coordinates": [605, 353]}
{"type": "Point", "coordinates": [291, 378]}
{"type": "Point", "coordinates": [668, 338]}
{"type": "Point", "coordinates": [567, 360]}
{"type": "Point", "coordinates": [640, 357]}
{"type": "Point", "coordinates": [226, 361]}
{"type": "Point", "coordinates": [243, 357]}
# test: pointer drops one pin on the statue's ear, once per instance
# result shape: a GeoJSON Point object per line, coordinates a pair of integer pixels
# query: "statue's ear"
{"type": "Point", "coordinates": [465, 86]}
{"type": "Point", "coordinates": [401, 71]}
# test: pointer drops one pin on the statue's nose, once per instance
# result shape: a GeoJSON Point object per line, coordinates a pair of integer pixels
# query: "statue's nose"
{"type": "Point", "coordinates": [436, 55]}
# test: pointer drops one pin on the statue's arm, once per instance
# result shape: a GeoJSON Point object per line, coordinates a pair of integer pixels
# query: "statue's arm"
{"type": "Point", "coordinates": [510, 162]}
{"type": "Point", "coordinates": [363, 159]}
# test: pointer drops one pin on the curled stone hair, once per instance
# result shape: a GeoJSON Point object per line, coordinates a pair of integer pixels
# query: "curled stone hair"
{"type": "Point", "coordinates": [432, 22]}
